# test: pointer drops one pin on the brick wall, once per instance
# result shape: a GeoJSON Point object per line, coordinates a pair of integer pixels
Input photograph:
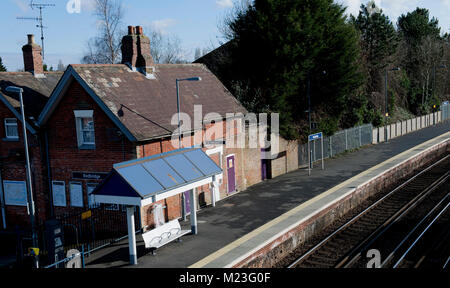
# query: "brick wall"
{"type": "Point", "coordinates": [66, 157]}
{"type": "Point", "coordinates": [13, 168]}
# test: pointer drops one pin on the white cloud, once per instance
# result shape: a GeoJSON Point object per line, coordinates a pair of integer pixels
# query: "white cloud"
{"type": "Point", "coordinates": [162, 25]}
{"type": "Point", "coordinates": [224, 3]}
{"type": "Point", "coordinates": [352, 6]}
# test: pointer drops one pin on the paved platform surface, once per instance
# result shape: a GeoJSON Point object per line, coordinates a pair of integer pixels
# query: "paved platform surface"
{"type": "Point", "coordinates": [241, 222]}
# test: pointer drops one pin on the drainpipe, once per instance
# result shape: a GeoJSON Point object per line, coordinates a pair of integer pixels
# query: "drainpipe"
{"type": "Point", "coordinates": [49, 176]}
{"type": "Point", "coordinates": [2, 201]}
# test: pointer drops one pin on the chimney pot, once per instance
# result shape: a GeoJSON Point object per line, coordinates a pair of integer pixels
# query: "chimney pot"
{"type": "Point", "coordinates": [30, 39]}
{"type": "Point", "coordinates": [139, 30]}
{"type": "Point", "coordinates": [131, 30]}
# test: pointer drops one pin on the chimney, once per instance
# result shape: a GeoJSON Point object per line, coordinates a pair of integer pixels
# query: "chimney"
{"type": "Point", "coordinates": [136, 50]}
{"type": "Point", "coordinates": [32, 57]}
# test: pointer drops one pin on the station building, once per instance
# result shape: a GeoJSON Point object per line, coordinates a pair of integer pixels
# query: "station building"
{"type": "Point", "coordinates": [85, 120]}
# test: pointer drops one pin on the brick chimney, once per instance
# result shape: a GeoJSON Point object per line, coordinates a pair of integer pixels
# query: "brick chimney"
{"type": "Point", "coordinates": [136, 50]}
{"type": "Point", "coordinates": [32, 57]}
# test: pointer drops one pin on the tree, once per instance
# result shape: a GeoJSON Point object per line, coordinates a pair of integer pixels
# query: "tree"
{"type": "Point", "coordinates": [2, 67]}
{"type": "Point", "coordinates": [198, 53]}
{"type": "Point", "coordinates": [165, 49]}
{"type": "Point", "coordinates": [105, 48]}
{"type": "Point", "coordinates": [61, 66]}
{"type": "Point", "coordinates": [423, 50]}
{"type": "Point", "coordinates": [278, 47]}
{"type": "Point", "coordinates": [379, 42]}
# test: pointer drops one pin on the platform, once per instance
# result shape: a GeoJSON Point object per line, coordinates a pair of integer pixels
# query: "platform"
{"type": "Point", "coordinates": [241, 224]}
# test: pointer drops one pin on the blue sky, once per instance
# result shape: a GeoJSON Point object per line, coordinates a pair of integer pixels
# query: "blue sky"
{"type": "Point", "coordinates": [195, 22]}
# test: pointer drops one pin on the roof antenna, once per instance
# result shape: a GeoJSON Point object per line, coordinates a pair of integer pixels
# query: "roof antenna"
{"type": "Point", "coordinates": [39, 20]}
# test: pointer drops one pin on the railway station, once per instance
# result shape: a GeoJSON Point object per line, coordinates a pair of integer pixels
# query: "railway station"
{"type": "Point", "coordinates": [263, 226]}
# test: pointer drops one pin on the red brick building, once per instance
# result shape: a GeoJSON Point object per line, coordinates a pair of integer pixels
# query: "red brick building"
{"type": "Point", "coordinates": [91, 117]}
{"type": "Point", "coordinates": [99, 115]}
{"type": "Point", "coordinates": [37, 86]}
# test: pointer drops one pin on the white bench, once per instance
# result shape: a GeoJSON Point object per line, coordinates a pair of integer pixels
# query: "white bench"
{"type": "Point", "coordinates": [164, 234]}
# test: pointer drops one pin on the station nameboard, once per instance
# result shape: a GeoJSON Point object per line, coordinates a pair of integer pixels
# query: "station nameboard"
{"type": "Point", "coordinates": [315, 136]}
{"type": "Point", "coordinates": [89, 175]}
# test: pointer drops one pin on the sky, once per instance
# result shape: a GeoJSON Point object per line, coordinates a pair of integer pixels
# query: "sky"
{"type": "Point", "coordinates": [195, 22]}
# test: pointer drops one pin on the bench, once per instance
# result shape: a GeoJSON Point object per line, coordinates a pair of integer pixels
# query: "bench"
{"type": "Point", "coordinates": [164, 234]}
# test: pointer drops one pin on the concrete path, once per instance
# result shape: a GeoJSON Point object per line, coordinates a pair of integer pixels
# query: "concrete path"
{"type": "Point", "coordinates": [246, 211]}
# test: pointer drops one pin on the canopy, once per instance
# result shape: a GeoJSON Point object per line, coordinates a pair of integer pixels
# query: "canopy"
{"type": "Point", "coordinates": [144, 181]}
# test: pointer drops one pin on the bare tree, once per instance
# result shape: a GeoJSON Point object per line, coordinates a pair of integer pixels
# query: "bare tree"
{"type": "Point", "coordinates": [165, 49]}
{"type": "Point", "coordinates": [61, 66]}
{"type": "Point", "coordinates": [105, 48]}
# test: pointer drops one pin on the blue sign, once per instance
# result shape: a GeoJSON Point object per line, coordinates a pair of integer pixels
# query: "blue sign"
{"type": "Point", "coordinates": [315, 136]}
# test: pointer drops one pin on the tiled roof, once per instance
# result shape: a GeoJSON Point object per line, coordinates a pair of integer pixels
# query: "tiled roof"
{"type": "Point", "coordinates": [145, 106]}
{"type": "Point", "coordinates": [36, 90]}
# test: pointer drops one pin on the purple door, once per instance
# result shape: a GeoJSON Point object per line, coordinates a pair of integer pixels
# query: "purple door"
{"type": "Point", "coordinates": [263, 165]}
{"type": "Point", "coordinates": [231, 175]}
{"type": "Point", "coordinates": [187, 202]}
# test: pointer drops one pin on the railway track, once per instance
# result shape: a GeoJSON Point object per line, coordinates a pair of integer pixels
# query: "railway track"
{"type": "Point", "coordinates": [384, 224]}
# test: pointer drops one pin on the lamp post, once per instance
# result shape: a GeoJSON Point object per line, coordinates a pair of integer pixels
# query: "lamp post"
{"type": "Point", "coordinates": [183, 200]}
{"type": "Point", "coordinates": [13, 89]}
{"type": "Point", "coordinates": [386, 102]}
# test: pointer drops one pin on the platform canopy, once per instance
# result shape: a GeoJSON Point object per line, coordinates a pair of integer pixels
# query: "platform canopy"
{"type": "Point", "coordinates": [144, 181]}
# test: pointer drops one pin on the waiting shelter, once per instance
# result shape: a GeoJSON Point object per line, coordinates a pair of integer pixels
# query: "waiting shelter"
{"type": "Point", "coordinates": [148, 180]}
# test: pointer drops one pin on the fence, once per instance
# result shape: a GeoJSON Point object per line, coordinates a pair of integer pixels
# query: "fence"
{"type": "Point", "coordinates": [445, 111]}
{"type": "Point", "coordinates": [92, 229]}
{"type": "Point", "coordinates": [410, 125]}
{"type": "Point", "coordinates": [337, 144]}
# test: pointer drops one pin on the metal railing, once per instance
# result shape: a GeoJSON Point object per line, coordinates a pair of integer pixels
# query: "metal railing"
{"type": "Point", "coordinates": [336, 144]}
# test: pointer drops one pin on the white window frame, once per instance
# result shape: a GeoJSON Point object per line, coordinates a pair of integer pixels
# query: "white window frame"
{"type": "Point", "coordinates": [9, 124]}
{"type": "Point", "coordinates": [79, 116]}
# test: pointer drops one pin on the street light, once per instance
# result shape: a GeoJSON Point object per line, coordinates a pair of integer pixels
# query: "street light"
{"type": "Point", "coordinates": [13, 89]}
{"type": "Point", "coordinates": [183, 200]}
{"type": "Point", "coordinates": [386, 102]}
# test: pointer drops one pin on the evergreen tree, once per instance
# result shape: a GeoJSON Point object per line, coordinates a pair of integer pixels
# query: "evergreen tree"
{"type": "Point", "coordinates": [424, 50]}
{"type": "Point", "coordinates": [281, 46]}
{"type": "Point", "coordinates": [2, 67]}
{"type": "Point", "coordinates": [379, 41]}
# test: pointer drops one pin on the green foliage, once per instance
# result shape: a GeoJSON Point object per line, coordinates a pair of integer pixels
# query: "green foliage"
{"type": "Point", "coordinates": [2, 67]}
{"type": "Point", "coordinates": [328, 126]}
{"type": "Point", "coordinates": [417, 25]}
{"type": "Point", "coordinates": [280, 45]}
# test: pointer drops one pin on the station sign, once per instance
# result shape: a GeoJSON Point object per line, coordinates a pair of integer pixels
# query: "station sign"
{"type": "Point", "coordinates": [315, 136]}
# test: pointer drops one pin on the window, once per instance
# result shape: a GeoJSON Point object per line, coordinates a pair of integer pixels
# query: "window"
{"type": "Point", "coordinates": [11, 129]}
{"type": "Point", "coordinates": [85, 128]}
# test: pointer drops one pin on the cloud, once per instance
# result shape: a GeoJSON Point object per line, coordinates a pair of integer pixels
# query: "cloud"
{"type": "Point", "coordinates": [162, 25]}
{"type": "Point", "coordinates": [224, 3]}
{"type": "Point", "coordinates": [352, 6]}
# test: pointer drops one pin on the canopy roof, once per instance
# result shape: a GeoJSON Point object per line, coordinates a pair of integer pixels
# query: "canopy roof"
{"type": "Point", "coordinates": [157, 177]}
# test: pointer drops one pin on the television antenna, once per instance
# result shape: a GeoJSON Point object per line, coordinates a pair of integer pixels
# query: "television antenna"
{"type": "Point", "coordinates": [39, 19]}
